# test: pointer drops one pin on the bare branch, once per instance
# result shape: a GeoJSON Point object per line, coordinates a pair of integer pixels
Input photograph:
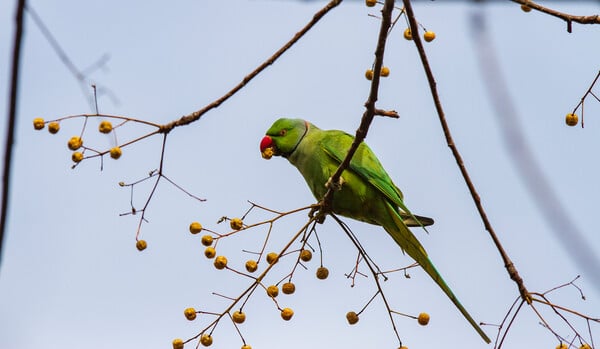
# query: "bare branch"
{"type": "Point", "coordinates": [369, 114]}
{"type": "Point", "coordinates": [12, 116]}
{"type": "Point", "coordinates": [593, 19]}
{"type": "Point", "coordinates": [187, 119]}
{"type": "Point", "coordinates": [587, 93]}
{"type": "Point", "coordinates": [508, 264]}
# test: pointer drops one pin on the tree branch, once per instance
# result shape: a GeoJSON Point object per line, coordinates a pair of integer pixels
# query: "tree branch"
{"type": "Point", "coordinates": [12, 116]}
{"type": "Point", "coordinates": [593, 19]}
{"type": "Point", "coordinates": [508, 264]}
{"type": "Point", "coordinates": [369, 114]}
{"type": "Point", "coordinates": [188, 119]}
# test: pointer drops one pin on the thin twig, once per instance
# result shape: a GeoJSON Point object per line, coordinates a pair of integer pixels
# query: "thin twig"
{"type": "Point", "coordinates": [125, 119]}
{"type": "Point", "coordinates": [543, 321]}
{"type": "Point", "coordinates": [510, 323]}
{"type": "Point", "coordinates": [555, 306]}
{"type": "Point", "coordinates": [375, 271]}
{"type": "Point", "coordinates": [565, 285]}
{"type": "Point", "coordinates": [369, 302]}
{"type": "Point", "coordinates": [588, 92]}
{"type": "Point", "coordinates": [364, 253]}
{"type": "Point", "coordinates": [352, 275]}
{"type": "Point", "coordinates": [160, 170]}
{"type": "Point", "coordinates": [183, 190]}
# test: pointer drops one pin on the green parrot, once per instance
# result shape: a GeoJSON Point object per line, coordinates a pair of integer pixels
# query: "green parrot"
{"type": "Point", "coordinates": [367, 192]}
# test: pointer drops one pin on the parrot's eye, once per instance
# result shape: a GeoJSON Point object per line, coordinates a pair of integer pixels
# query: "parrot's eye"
{"type": "Point", "coordinates": [282, 132]}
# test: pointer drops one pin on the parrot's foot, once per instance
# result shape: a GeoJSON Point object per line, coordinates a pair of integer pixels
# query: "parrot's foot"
{"type": "Point", "coordinates": [335, 186]}
{"type": "Point", "coordinates": [313, 210]}
{"type": "Point", "coordinates": [317, 210]}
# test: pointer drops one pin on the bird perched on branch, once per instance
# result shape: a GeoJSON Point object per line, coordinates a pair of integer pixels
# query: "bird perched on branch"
{"type": "Point", "coordinates": [365, 191]}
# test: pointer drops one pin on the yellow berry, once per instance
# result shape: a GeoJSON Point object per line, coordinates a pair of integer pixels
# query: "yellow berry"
{"type": "Point", "coordinates": [190, 313]}
{"type": "Point", "coordinates": [195, 228]}
{"type": "Point", "coordinates": [210, 252]}
{"type": "Point", "coordinates": [272, 257]}
{"type": "Point", "coordinates": [287, 314]}
{"type": "Point", "coordinates": [571, 119]}
{"type": "Point", "coordinates": [141, 245]}
{"type": "Point", "coordinates": [236, 224]}
{"type": "Point", "coordinates": [562, 346]}
{"type": "Point", "coordinates": [267, 153]}
{"type": "Point", "coordinates": [177, 343]}
{"type": "Point", "coordinates": [370, 3]}
{"type": "Point", "coordinates": [322, 273]}
{"type": "Point", "coordinates": [53, 127]}
{"type": "Point", "coordinates": [238, 317]}
{"type": "Point", "coordinates": [429, 36]}
{"type": "Point", "coordinates": [305, 255]}
{"type": "Point", "coordinates": [105, 126]}
{"type": "Point", "coordinates": [75, 143]}
{"type": "Point", "coordinates": [407, 34]}
{"type": "Point", "coordinates": [403, 347]}
{"type": "Point", "coordinates": [369, 74]}
{"type": "Point", "coordinates": [273, 291]}
{"type": "Point", "coordinates": [352, 317]}
{"type": "Point", "coordinates": [207, 240]}
{"type": "Point", "coordinates": [116, 153]}
{"type": "Point", "coordinates": [38, 123]}
{"type": "Point", "coordinates": [423, 319]}
{"type": "Point", "coordinates": [206, 339]}
{"type": "Point", "coordinates": [251, 266]}
{"type": "Point", "coordinates": [288, 288]}
{"type": "Point", "coordinates": [77, 156]}
{"type": "Point", "coordinates": [385, 71]}
{"type": "Point", "coordinates": [220, 262]}
{"type": "Point", "coordinates": [246, 346]}
{"type": "Point", "coordinates": [525, 8]}
{"type": "Point", "coordinates": [585, 346]}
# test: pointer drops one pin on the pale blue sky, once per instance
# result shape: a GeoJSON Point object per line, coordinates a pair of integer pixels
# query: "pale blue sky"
{"type": "Point", "coordinates": [70, 273]}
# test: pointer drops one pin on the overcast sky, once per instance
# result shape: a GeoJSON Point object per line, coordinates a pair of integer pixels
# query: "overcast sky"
{"type": "Point", "coordinates": [70, 272]}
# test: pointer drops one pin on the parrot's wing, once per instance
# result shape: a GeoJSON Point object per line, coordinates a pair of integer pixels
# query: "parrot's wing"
{"type": "Point", "coordinates": [364, 163]}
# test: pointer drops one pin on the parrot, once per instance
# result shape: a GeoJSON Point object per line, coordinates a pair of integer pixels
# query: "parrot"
{"type": "Point", "coordinates": [365, 192]}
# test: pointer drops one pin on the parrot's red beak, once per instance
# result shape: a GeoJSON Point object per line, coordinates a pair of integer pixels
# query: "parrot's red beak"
{"type": "Point", "coordinates": [265, 143]}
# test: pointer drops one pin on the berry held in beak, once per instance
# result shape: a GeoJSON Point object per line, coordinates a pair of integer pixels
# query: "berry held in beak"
{"type": "Point", "coordinates": [266, 147]}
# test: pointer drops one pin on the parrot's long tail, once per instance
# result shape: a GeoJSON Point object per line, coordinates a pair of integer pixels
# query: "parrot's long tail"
{"type": "Point", "coordinates": [409, 243]}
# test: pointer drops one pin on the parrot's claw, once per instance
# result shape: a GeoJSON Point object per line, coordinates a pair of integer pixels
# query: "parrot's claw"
{"type": "Point", "coordinates": [313, 210]}
{"type": "Point", "coordinates": [317, 210]}
{"type": "Point", "coordinates": [335, 186]}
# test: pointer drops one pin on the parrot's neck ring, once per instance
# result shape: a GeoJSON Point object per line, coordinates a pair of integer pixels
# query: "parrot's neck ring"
{"type": "Point", "coordinates": [306, 126]}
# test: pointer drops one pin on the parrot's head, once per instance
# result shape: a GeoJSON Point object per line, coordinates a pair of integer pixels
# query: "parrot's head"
{"type": "Point", "coordinates": [283, 137]}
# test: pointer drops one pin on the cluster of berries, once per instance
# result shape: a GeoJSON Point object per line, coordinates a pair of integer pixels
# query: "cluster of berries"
{"type": "Point", "coordinates": [75, 143]}
{"type": "Point", "coordinates": [385, 71]}
{"type": "Point", "coordinates": [251, 266]}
